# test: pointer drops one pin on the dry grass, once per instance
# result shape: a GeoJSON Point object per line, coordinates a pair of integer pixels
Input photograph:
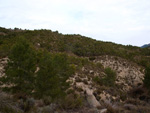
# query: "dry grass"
{"type": "Point", "coordinates": [7, 105]}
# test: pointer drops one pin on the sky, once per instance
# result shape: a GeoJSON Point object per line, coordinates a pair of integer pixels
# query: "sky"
{"type": "Point", "coordinates": [124, 22]}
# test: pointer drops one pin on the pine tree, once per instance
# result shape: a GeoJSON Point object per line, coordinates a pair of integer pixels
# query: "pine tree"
{"type": "Point", "coordinates": [52, 76]}
{"type": "Point", "coordinates": [20, 70]}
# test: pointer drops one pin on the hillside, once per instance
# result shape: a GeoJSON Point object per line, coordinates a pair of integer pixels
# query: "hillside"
{"type": "Point", "coordinates": [42, 71]}
{"type": "Point", "coordinates": [76, 44]}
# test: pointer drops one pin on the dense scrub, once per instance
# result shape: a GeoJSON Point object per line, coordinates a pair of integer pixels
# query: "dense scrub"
{"type": "Point", "coordinates": [76, 44]}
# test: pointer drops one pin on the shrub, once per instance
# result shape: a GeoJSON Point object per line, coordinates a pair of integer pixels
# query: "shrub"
{"type": "Point", "coordinates": [47, 100]}
{"type": "Point", "coordinates": [69, 91]}
{"type": "Point", "coordinates": [96, 79]}
{"type": "Point", "coordinates": [72, 101]}
{"type": "Point", "coordinates": [29, 104]}
{"type": "Point", "coordinates": [108, 80]}
{"type": "Point", "coordinates": [99, 65]}
{"type": "Point", "coordinates": [7, 105]}
{"type": "Point", "coordinates": [92, 58]}
{"type": "Point", "coordinates": [147, 77]}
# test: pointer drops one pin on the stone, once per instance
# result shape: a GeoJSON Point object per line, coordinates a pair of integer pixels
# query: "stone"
{"type": "Point", "coordinates": [129, 106]}
{"type": "Point", "coordinates": [103, 110]}
{"type": "Point", "coordinates": [91, 98]}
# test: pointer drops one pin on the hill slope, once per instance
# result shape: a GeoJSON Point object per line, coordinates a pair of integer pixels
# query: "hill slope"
{"type": "Point", "coordinates": [106, 77]}
{"type": "Point", "coordinates": [76, 44]}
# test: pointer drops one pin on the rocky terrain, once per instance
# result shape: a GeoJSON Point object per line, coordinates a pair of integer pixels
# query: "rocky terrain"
{"type": "Point", "coordinates": [129, 74]}
{"type": "Point", "coordinates": [102, 99]}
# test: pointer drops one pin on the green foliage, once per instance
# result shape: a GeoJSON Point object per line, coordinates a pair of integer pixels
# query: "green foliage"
{"type": "Point", "coordinates": [92, 58]}
{"type": "Point", "coordinates": [147, 77]}
{"type": "Point", "coordinates": [74, 44]}
{"type": "Point", "coordinates": [78, 62]}
{"type": "Point", "coordinates": [52, 76]}
{"type": "Point", "coordinates": [96, 79]}
{"type": "Point", "coordinates": [20, 69]}
{"type": "Point", "coordinates": [3, 30]}
{"type": "Point", "coordinates": [108, 80]}
{"type": "Point", "coordinates": [4, 50]}
{"type": "Point", "coordinates": [99, 65]}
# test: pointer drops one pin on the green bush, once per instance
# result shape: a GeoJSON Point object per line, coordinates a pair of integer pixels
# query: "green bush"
{"type": "Point", "coordinates": [96, 79]}
{"type": "Point", "coordinates": [108, 79]}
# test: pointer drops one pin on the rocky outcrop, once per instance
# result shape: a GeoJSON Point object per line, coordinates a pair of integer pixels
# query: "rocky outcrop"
{"type": "Point", "coordinates": [86, 88]}
{"type": "Point", "coordinates": [91, 99]}
{"type": "Point", "coordinates": [129, 74]}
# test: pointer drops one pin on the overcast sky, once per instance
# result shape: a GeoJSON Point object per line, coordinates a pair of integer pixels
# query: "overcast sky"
{"type": "Point", "coordinates": [120, 21]}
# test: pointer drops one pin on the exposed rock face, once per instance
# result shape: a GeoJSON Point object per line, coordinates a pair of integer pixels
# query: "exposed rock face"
{"type": "Point", "coordinates": [3, 63]}
{"type": "Point", "coordinates": [128, 74]}
{"type": "Point", "coordinates": [91, 98]}
{"type": "Point", "coordinates": [87, 88]}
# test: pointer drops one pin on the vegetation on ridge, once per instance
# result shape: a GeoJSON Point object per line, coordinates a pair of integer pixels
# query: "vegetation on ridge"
{"type": "Point", "coordinates": [76, 44]}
